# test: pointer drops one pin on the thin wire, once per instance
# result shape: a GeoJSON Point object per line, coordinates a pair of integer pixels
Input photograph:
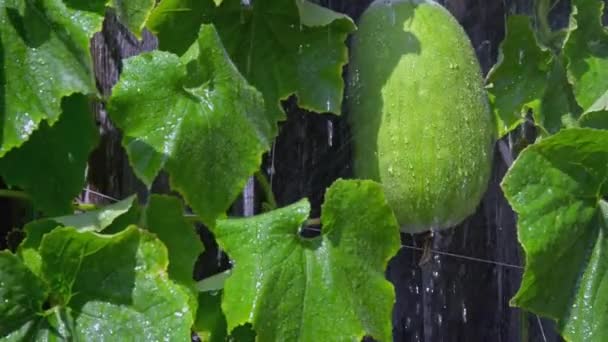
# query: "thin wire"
{"type": "Point", "coordinates": [101, 195]}
{"type": "Point", "coordinates": [453, 255]}
{"type": "Point", "coordinates": [542, 330]}
{"type": "Point", "coordinates": [466, 257]}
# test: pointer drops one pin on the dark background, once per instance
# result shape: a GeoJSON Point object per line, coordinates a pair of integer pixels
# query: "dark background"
{"type": "Point", "coordinates": [447, 298]}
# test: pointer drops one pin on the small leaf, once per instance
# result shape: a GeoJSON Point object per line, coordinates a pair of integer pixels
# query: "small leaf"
{"type": "Point", "coordinates": [55, 324]}
{"type": "Point", "coordinates": [296, 289]}
{"type": "Point", "coordinates": [99, 219]}
{"type": "Point", "coordinates": [133, 13]}
{"type": "Point", "coordinates": [586, 49]}
{"type": "Point", "coordinates": [557, 108]}
{"type": "Point", "coordinates": [519, 79]}
{"type": "Point", "coordinates": [44, 56]}
{"type": "Point", "coordinates": [164, 216]}
{"type": "Point", "coordinates": [598, 120]}
{"type": "Point", "coordinates": [213, 283]}
{"type": "Point", "coordinates": [95, 220]}
{"type": "Point", "coordinates": [177, 22]}
{"type": "Point", "coordinates": [21, 294]}
{"type": "Point", "coordinates": [28, 249]}
{"type": "Point", "coordinates": [210, 324]}
{"type": "Point", "coordinates": [62, 151]}
{"type": "Point", "coordinates": [563, 229]}
{"type": "Point", "coordinates": [117, 284]}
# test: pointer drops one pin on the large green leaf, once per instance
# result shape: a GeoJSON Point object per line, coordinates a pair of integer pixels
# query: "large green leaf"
{"type": "Point", "coordinates": [50, 167]}
{"type": "Point", "coordinates": [116, 286]}
{"type": "Point", "coordinates": [44, 56]}
{"type": "Point", "coordinates": [587, 50]}
{"type": "Point", "coordinates": [556, 187]}
{"type": "Point", "coordinates": [519, 80]}
{"type": "Point", "coordinates": [196, 117]}
{"type": "Point", "coordinates": [329, 288]}
{"type": "Point", "coordinates": [95, 220]}
{"type": "Point", "coordinates": [133, 13]}
{"type": "Point", "coordinates": [164, 216]}
{"type": "Point", "coordinates": [176, 22]}
{"type": "Point", "coordinates": [21, 294]}
{"type": "Point", "coordinates": [282, 47]}
{"type": "Point", "coordinates": [282, 51]}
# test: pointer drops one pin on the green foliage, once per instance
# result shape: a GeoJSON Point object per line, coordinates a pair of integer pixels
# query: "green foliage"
{"type": "Point", "coordinates": [105, 286]}
{"type": "Point", "coordinates": [163, 216]}
{"type": "Point", "coordinates": [529, 76]}
{"type": "Point", "coordinates": [197, 118]}
{"type": "Point", "coordinates": [61, 150]}
{"type": "Point", "coordinates": [586, 50]}
{"type": "Point", "coordinates": [96, 221]}
{"type": "Point", "coordinates": [40, 64]}
{"type": "Point", "coordinates": [563, 229]}
{"type": "Point", "coordinates": [210, 322]}
{"type": "Point", "coordinates": [296, 289]}
{"type": "Point", "coordinates": [281, 47]}
{"type": "Point", "coordinates": [133, 13]}
{"type": "Point", "coordinates": [21, 294]}
{"type": "Point", "coordinates": [519, 79]}
{"type": "Point", "coordinates": [558, 185]}
{"type": "Point", "coordinates": [205, 109]}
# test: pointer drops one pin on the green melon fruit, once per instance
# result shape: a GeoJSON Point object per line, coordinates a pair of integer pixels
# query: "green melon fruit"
{"type": "Point", "coordinates": [419, 113]}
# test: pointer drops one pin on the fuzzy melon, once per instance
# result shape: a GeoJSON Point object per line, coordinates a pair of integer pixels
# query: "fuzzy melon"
{"type": "Point", "coordinates": [419, 113]}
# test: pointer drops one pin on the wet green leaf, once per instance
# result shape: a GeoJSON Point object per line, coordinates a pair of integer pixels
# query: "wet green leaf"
{"type": "Point", "coordinates": [164, 216]}
{"type": "Point", "coordinates": [55, 324]}
{"type": "Point", "coordinates": [98, 219]}
{"type": "Point", "coordinates": [95, 220]}
{"type": "Point", "coordinates": [133, 13]}
{"type": "Point", "coordinates": [281, 47]}
{"type": "Point", "coordinates": [519, 80]}
{"type": "Point", "coordinates": [295, 289]}
{"type": "Point", "coordinates": [21, 294]}
{"type": "Point", "coordinates": [44, 56]}
{"type": "Point", "coordinates": [115, 285]}
{"type": "Point", "coordinates": [286, 47]}
{"type": "Point", "coordinates": [586, 50]}
{"type": "Point", "coordinates": [28, 249]}
{"type": "Point", "coordinates": [557, 108]}
{"type": "Point", "coordinates": [597, 120]}
{"type": "Point", "coordinates": [210, 324]}
{"type": "Point", "coordinates": [556, 187]}
{"type": "Point", "coordinates": [177, 22]}
{"type": "Point", "coordinates": [197, 118]}
{"type": "Point", "coordinates": [51, 166]}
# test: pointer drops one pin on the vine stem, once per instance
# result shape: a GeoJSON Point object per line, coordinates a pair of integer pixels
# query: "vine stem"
{"type": "Point", "coordinates": [265, 185]}
{"type": "Point", "coordinates": [16, 194]}
{"type": "Point", "coordinates": [84, 206]}
{"type": "Point", "coordinates": [545, 34]}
